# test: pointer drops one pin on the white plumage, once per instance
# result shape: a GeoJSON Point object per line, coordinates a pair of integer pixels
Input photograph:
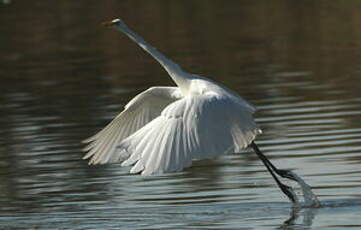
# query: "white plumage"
{"type": "Point", "coordinates": [164, 128]}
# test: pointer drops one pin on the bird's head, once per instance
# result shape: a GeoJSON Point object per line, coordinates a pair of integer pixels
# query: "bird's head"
{"type": "Point", "coordinates": [115, 23]}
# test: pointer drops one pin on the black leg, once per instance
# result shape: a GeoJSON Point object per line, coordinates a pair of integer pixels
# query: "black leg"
{"type": "Point", "coordinates": [272, 170]}
{"type": "Point", "coordinates": [281, 172]}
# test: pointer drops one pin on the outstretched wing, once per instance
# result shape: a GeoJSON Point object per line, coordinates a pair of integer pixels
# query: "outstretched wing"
{"type": "Point", "coordinates": [142, 109]}
{"type": "Point", "coordinates": [197, 127]}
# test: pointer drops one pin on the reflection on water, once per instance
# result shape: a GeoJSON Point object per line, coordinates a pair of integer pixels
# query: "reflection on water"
{"type": "Point", "coordinates": [63, 78]}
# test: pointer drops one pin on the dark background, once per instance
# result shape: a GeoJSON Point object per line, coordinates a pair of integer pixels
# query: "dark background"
{"type": "Point", "coordinates": [63, 77]}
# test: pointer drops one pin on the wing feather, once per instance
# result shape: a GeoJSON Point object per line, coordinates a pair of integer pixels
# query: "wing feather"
{"type": "Point", "coordinates": [197, 127]}
{"type": "Point", "coordinates": [142, 109]}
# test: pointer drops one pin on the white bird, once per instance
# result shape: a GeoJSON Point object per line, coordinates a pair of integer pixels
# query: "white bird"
{"type": "Point", "coordinates": [164, 128]}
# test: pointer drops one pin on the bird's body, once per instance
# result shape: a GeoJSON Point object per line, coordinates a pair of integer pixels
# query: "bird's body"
{"type": "Point", "coordinates": [164, 128]}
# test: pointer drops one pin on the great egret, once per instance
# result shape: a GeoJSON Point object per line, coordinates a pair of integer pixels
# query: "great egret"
{"type": "Point", "coordinates": [164, 128]}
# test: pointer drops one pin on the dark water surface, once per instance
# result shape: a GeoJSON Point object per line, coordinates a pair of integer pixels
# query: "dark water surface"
{"type": "Point", "coordinates": [63, 77]}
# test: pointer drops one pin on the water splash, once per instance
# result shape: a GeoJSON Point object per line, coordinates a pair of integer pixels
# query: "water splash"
{"type": "Point", "coordinates": [310, 199]}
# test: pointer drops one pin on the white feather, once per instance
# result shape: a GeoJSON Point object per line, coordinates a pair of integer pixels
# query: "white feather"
{"type": "Point", "coordinates": [139, 111]}
{"type": "Point", "coordinates": [164, 128]}
{"type": "Point", "coordinates": [197, 127]}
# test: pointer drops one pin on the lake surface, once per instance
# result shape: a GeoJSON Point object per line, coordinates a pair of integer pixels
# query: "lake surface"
{"type": "Point", "coordinates": [63, 78]}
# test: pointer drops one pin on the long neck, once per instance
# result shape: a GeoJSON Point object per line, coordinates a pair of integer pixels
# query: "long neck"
{"type": "Point", "coordinates": [179, 77]}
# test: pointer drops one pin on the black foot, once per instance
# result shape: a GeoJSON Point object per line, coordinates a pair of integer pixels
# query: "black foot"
{"type": "Point", "coordinates": [288, 191]}
{"type": "Point", "coordinates": [285, 174]}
